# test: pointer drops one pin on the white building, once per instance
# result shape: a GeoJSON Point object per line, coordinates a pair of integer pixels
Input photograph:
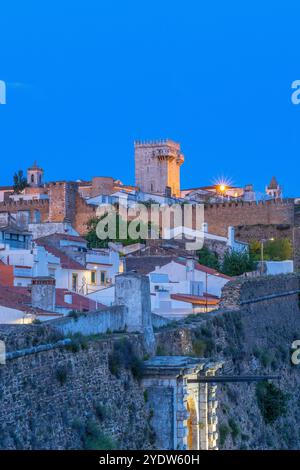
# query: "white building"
{"type": "Point", "coordinates": [178, 287]}
{"type": "Point", "coordinates": [65, 258]}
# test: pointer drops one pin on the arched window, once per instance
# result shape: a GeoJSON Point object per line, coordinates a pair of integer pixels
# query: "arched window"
{"type": "Point", "coordinates": [32, 178]}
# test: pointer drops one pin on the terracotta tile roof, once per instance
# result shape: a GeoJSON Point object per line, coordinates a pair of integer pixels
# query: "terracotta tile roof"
{"type": "Point", "coordinates": [195, 299]}
{"type": "Point", "coordinates": [146, 264]}
{"type": "Point", "coordinates": [66, 261]}
{"type": "Point", "coordinates": [79, 302]}
{"type": "Point", "coordinates": [14, 228]}
{"type": "Point", "coordinates": [19, 298]}
{"type": "Point", "coordinates": [205, 269]}
{"type": "Point", "coordinates": [6, 274]}
{"type": "Point", "coordinates": [63, 236]}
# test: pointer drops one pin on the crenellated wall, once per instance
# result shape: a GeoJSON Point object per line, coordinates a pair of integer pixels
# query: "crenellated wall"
{"type": "Point", "coordinates": [220, 216]}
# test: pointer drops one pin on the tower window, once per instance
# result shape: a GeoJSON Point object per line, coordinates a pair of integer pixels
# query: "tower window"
{"type": "Point", "coordinates": [32, 178]}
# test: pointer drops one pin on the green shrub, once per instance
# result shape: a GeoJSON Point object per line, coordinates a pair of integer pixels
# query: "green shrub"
{"type": "Point", "coordinates": [96, 439]}
{"type": "Point", "coordinates": [235, 430]}
{"type": "Point", "coordinates": [101, 411]}
{"type": "Point", "coordinates": [223, 432]}
{"type": "Point", "coordinates": [123, 356]}
{"type": "Point", "coordinates": [78, 342]}
{"type": "Point", "coordinates": [199, 347]}
{"type": "Point", "coordinates": [62, 374]}
{"type": "Point", "coordinates": [236, 263]}
{"type": "Point", "coordinates": [161, 350]}
{"type": "Point", "coordinates": [203, 344]}
{"type": "Point", "coordinates": [208, 258]}
{"type": "Point", "coordinates": [274, 250]}
{"type": "Point", "coordinates": [271, 401]}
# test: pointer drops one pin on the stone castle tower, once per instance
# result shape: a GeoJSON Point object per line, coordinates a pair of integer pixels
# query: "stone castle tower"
{"type": "Point", "coordinates": [157, 167]}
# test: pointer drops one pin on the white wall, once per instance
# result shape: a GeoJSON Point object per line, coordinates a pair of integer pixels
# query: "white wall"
{"type": "Point", "coordinates": [279, 267]}
{"type": "Point", "coordinates": [178, 272]}
{"type": "Point", "coordinates": [104, 296]}
{"type": "Point", "coordinates": [11, 315]}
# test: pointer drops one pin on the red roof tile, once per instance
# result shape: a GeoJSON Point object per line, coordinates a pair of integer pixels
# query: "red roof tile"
{"type": "Point", "coordinates": [205, 269]}
{"type": "Point", "coordinates": [19, 298]}
{"type": "Point", "coordinates": [66, 261]}
{"type": "Point", "coordinates": [79, 302]}
{"type": "Point", "coordinates": [6, 274]}
{"type": "Point", "coordinates": [63, 236]}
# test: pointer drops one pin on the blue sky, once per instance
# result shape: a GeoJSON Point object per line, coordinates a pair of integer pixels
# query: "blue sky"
{"type": "Point", "coordinates": [87, 78]}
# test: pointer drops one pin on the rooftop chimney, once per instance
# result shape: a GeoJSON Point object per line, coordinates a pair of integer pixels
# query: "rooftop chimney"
{"type": "Point", "coordinates": [43, 293]}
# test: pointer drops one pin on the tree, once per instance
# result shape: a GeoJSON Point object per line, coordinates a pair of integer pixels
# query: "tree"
{"type": "Point", "coordinates": [208, 258]}
{"type": "Point", "coordinates": [20, 182]}
{"type": "Point", "coordinates": [95, 242]}
{"type": "Point", "coordinates": [272, 401]}
{"type": "Point", "coordinates": [237, 263]}
{"type": "Point", "coordinates": [274, 250]}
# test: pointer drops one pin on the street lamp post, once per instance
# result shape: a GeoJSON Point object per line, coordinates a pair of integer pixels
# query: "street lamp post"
{"type": "Point", "coordinates": [262, 252]}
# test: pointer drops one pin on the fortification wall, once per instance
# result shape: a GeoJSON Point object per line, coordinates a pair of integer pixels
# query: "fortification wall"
{"type": "Point", "coordinates": [68, 399]}
{"type": "Point", "coordinates": [112, 318]}
{"type": "Point", "coordinates": [12, 207]}
{"type": "Point", "coordinates": [83, 213]}
{"type": "Point", "coordinates": [220, 216]}
{"type": "Point", "coordinates": [49, 399]}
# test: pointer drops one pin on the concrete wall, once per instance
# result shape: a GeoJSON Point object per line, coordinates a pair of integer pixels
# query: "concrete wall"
{"type": "Point", "coordinates": [94, 323]}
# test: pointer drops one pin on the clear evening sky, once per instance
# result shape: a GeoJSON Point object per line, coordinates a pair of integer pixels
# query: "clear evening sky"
{"type": "Point", "coordinates": [87, 78]}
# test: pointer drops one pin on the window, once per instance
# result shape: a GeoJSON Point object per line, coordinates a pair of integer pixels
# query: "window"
{"type": "Point", "coordinates": [74, 281]}
{"type": "Point", "coordinates": [93, 277]}
{"type": "Point", "coordinates": [103, 277]}
{"type": "Point", "coordinates": [32, 178]}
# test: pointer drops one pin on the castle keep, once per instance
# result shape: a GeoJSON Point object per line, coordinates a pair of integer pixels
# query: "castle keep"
{"type": "Point", "coordinates": [157, 167]}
